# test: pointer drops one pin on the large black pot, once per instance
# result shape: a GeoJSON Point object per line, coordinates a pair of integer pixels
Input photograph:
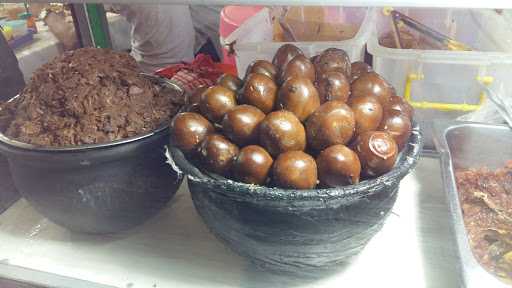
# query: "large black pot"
{"type": "Point", "coordinates": [297, 230]}
{"type": "Point", "coordinates": [101, 188]}
{"type": "Point", "coordinates": [98, 188]}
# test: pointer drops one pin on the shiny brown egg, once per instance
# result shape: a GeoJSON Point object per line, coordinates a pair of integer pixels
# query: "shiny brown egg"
{"type": "Point", "coordinates": [253, 164]}
{"type": "Point", "coordinates": [195, 96]}
{"type": "Point", "coordinates": [313, 59]}
{"type": "Point", "coordinates": [259, 91]}
{"type": "Point", "coordinates": [399, 104]}
{"type": "Point", "coordinates": [333, 85]}
{"type": "Point", "coordinates": [188, 130]}
{"type": "Point", "coordinates": [368, 113]}
{"type": "Point", "coordinates": [218, 154]}
{"type": "Point", "coordinates": [333, 59]}
{"type": "Point", "coordinates": [299, 96]}
{"type": "Point", "coordinates": [372, 84]}
{"type": "Point", "coordinates": [216, 101]}
{"type": "Point", "coordinates": [194, 99]}
{"type": "Point", "coordinates": [284, 55]}
{"type": "Point", "coordinates": [282, 131]}
{"type": "Point", "coordinates": [295, 170]}
{"type": "Point", "coordinates": [377, 152]}
{"type": "Point", "coordinates": [398, 125]}
{"type": "Point", "coordinates": [240, 124]}
{"type": "Point", "coordinates": [359, 68]}
{"type": "Point", "coordinates": [298, 67]}
{"type": "Point", "coordinates": [332, 123]}
{"type": "Point", "coordinates": [262, 67]}
{"type": "Point", "coordinates": [231, 82]}
{"type": "Point", "coordinates": [338, 166]}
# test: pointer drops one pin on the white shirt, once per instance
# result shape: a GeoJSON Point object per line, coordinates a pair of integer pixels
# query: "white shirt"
{"type": "Point", "coordinates": [161, 34]}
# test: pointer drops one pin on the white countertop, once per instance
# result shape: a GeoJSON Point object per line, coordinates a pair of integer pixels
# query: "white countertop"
{"type": "Point", "coordinates": [415, 248]}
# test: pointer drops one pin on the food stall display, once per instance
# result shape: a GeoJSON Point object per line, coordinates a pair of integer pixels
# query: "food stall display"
{"type": "Point", "coordinates": [298, 160]}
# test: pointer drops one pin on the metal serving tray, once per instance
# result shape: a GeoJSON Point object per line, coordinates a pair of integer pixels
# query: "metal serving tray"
{"type": "Point", "coordinates": [465, 145]}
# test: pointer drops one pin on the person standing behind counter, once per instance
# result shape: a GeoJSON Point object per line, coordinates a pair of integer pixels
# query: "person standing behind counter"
{"type": "Point", "coordinates": [160, 35]}
{"type": "Point", "coordinates": [206, 21]}
{"type": "Point", "coordinates": [167, 34]}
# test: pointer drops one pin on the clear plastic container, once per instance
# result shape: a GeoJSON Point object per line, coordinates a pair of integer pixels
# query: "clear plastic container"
{"type": "Point", "coordinates": [19, 27]}
{"type": "Point", "coordinates": [433, 78]}
{"type": "Point", "coordinates": [264, 48]}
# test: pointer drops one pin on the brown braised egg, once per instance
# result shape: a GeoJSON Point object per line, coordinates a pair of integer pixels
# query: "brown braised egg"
{"type": "Point", "coordinates": [252, 166]}
{"type": "Point", "coordinates": [399, 104]}
{"type": "Point", "coordinates": [368, 113]}
{"type": "Point", "coordinates": [333, 59]}
{"type": "Point", "coordinates": [262, 67]}
{"type": "Point", "coordinates": [295, 170]}
{"type": "Point", "coordinates": [377, 152]}
{"type": "Point", "coordinates": [338, 166]}
{"type": "Point", "coordinates": [195, 96]}
{"type": "Point", "coordinates": [298, 67]}
{"type": "Point", "coordinates": [259, 91]}
{"type": "Point", "coordinates": [372, 84]}
{"type": "Point", "coordinates": [359, 68]}
{"type": "Point", "coordinates": [231, 82]}
{"type": "Point", "coordinates": [332, 123]}
{"type": "Point", "coordinates": [299, 96]}
{"type": "Point", "coordinates": [284, 55]}
{"type": "Point", "coordinates": [218, 154]}
{"type": "Point", "coordinates": [398, 125]}
{"type": "Point", "coordinates": [282, 131]}
{"type": "Point", "coordinates": [188, 130]}
{"type": "Point", "coordinates": [333, 85]}
{"type": "Point", "coordinates": [194, 99]}
{"type": "Point", "coordinates": [216, 101]}
{"type": "Point", "coordinates": [313, 59]}
{"type": "Point", "coordinates": [240, 124]}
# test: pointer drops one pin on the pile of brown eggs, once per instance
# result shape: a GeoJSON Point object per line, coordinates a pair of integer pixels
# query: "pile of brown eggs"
{"type": "Point", "coordinates": [296, 122]}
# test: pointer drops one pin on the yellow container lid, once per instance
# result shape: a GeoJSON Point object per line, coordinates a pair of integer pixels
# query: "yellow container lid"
{"type": "Point", "coordinates": [7, 31]}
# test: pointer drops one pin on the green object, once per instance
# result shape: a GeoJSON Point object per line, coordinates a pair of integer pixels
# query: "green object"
{"type": "Point", "coordinates": [24, 16]}
{"type": "Point", "coordinates": [99, 37]}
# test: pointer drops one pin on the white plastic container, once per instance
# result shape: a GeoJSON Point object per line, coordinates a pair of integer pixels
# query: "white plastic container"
{"type": "Point", "coordinates": [441, 76]}
{"type": "Point", "coordinates": [259, 44]}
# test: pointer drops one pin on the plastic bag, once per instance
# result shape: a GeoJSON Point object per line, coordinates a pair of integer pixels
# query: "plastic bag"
{"type": "Point", "coordinates": [488, 112]}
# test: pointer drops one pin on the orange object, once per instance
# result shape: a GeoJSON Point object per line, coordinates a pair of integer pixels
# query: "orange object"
{"type": "Point", "coordinates": [31, 24]}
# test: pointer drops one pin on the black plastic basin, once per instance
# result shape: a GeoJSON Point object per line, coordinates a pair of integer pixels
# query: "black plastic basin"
{"type": "Point", "coordinates": [297, 230]}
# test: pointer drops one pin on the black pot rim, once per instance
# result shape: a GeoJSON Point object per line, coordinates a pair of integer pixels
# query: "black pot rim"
{"type": "Point", "coordinates": [14, 144]}
{"type": "Point", "coordinates": [407, 161]}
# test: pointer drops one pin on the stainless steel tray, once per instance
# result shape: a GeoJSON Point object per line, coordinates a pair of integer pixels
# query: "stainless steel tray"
{"type": "Point", "coordinates": [465, 145]}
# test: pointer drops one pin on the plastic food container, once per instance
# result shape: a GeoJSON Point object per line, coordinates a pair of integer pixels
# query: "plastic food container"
{"type": "Point", "coordinates": [100, 188]}
{"type": "Point", "coordinates": [466, 145]}
{"type": "Point", "coordinates": [436, 79]}
{"type": "Point", "coordinates": [262, 47]}
{"type": "Point", "coordinates": [296, 231]}
{"type": "Point", "coordinates": [19, 27]}
{"type": "Point", "coordinates": [231, 17]}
